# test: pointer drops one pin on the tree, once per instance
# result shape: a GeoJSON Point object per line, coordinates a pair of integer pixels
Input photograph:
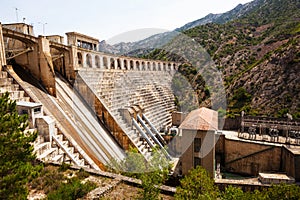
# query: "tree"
{"type": "Point", "coordinates": [233, 193]}
{"type": "Point", "coordinates": [156, 173]}
{"type": "Point", "coordinates": [280, 191]}
{"type": "Point", "coordinates": [197, 185]}
{"type": "Point", "coordinates": [152, 173]}
{"type": "Point", "coordinates": [284, 191]}
{"type": "Point", "coordinates": [16, 151]}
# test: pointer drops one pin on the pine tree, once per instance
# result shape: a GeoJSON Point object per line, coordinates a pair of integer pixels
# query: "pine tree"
{"type": "Point", "coordinates": [16, 151]}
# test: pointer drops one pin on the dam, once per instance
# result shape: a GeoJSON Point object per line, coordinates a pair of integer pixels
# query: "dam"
{"type": "Point", "coordinates": [95, 105]}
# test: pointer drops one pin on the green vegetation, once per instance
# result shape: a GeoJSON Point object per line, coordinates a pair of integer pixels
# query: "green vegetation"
{"type": "Point", "coordinates": [17, 163]}
{"type": "Point", "coordinates": [152, 174]}
{"type": "Point", "coordinates": [233, 193]}
{"type": "Point", "coordinates": [72, 189]}
{"type": "Point", "coordinates": [61, 183]}
{"type": "Point", "coordinates": [199, 185]}
{"type": "Point", "coordinates": [240, 101]}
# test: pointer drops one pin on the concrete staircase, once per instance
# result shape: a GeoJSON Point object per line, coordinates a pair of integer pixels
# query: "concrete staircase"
{"type": "Point", "coordinates": [151, 90]}
{"type": "Point", "coordinates": [60, 146]}
{"type": "Point", "coordinates": [148, 90]}
{"type": "Point", "coordinates": [59, 150]}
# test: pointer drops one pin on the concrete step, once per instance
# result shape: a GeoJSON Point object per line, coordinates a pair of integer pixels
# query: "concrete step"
{"type": "Point", "coordinates": [59, 137]}
{"type": "Point", "coordinates": [3, 74]}
{"type": "Point", "coordinates": [5, 81]}
{"type": "Point", "coordinates": [41, 146]}
{"type": "Point", "coordinates": [57, 158]}
{"type": "Point", "coordinates": [47, 153]}
{"type": "Point", "coordinates": [71, 150]}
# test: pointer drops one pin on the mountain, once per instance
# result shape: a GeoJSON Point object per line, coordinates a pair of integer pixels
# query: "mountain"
{"type": "Point", "coordinates": [140, 47]}
{"type": "Point", "coordinates": [144, 46]}
{"type": "Point", "coordinates": [258, 54]}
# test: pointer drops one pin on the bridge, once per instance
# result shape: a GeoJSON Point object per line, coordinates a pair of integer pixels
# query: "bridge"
{"type": "Point", "coordinates": [101, 103]}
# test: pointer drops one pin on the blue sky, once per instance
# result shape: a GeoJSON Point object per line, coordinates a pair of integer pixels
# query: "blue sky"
{"type": "Point", "coordinates": [106, 19]}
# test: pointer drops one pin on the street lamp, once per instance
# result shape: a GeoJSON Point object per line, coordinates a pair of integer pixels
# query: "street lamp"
{"type": "Point", "coordinates": [43, 27]}
{"type": "Point", "coordinates": [17, 16]}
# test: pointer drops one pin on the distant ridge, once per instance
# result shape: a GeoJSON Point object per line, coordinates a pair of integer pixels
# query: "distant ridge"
{"type": "Point", "coordinates": [238, 11]}
{"type": "Point", "coordinates": [155, 41]}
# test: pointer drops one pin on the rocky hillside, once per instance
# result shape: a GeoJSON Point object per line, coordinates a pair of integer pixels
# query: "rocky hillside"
{"type": "Point", "coordinates": [258, 55]}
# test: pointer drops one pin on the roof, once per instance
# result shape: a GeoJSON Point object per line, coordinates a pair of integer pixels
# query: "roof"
{"type": "Point", "coordinates": [54, 36]}
{"type": "Point", "coordinates": [19, 23]}
{"type": "Point", "coordinates": [201, 119]}
{"type": "Point", "coordinates": [82, 36]}
{"type": "Point", "coordinates": [268, 178]}
{"type": "Point", "coordinates": [28, 104]}
{"type": "Point", "coordinates": [47, 119]}
{"type": "Point", "coordinates": [274, 176]}
{"type": "Point", "coordinates": [293, 149]}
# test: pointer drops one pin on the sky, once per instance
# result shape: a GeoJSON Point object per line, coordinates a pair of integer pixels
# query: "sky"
{"type": "Point", "coordinates": [106, 20]}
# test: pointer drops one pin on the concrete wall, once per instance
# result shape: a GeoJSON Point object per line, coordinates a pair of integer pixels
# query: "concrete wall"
{"type": "Point", "coordinates": [177, 118]}
{"type": "Point", "coordinates": [37, 61]}
{"type": "Point", "coordinates": [56, 38]}
{"type": "Point", "coordinates": [246, 186]}
{"type": "Point", "coordinates": [28, 60]}
{"type": "Point", "coordinates": [62, 58]}
{"type": "Point", "coordinates": [45, 127]}
{"type": "Point", "coordinates": [21, 27]}
{"type": "Point", "coordinates": [251, 158]}
{"type": "Point", "coordinates": [291, 163]}
{"type": "Point", "coordinates": [220, 150]}
{"type": "Point", "coordinates": [206, 154]}
{"type": "Point", "coordinates": [46, 68]}
{"type": "Point", "coordinates": [2, 50]}
{"type": "Point", "coordinates": [297, 168]}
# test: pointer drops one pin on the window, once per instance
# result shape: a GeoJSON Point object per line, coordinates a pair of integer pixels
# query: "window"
{"type": "Point", "coordinates": [197, 161]}
{"type": "Point", "coordinates": [79, 57]}
{"type": "Point", "coordinates": [37, 110]}
{"type": "Point", "coordinates": [197, 144]}
{"type": "Point", "coordinates": [24, 112]}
